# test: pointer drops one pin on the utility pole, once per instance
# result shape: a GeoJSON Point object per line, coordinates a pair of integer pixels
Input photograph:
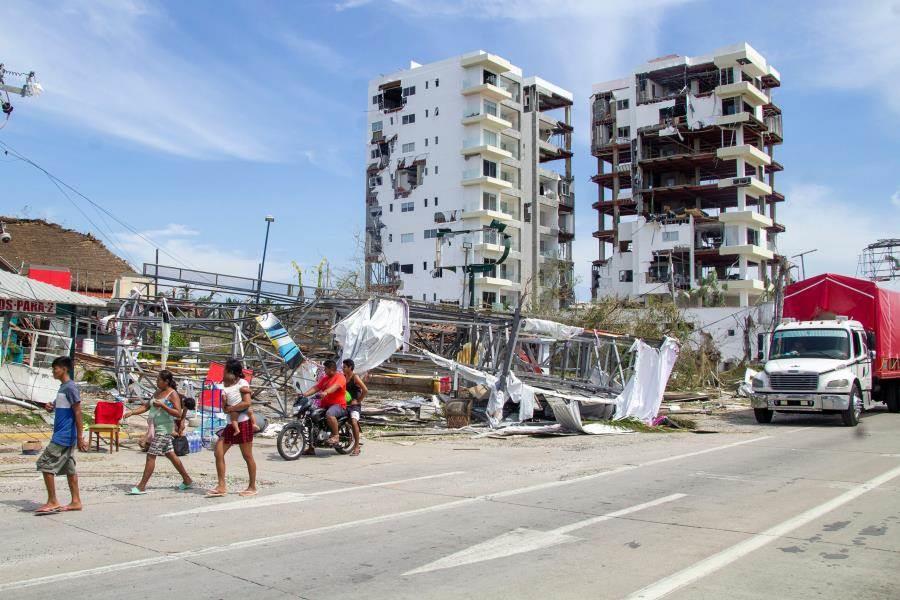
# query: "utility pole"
{"type": "Point", "coordinates": [269, 220]}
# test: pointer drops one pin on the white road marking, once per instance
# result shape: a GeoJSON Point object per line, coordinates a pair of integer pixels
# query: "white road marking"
{"type": "Point", "coordinates": [522, 540]}
{"type": "Point", "coordinates": [294, 535]}
{"type": "Point", "coordinates": [292, 497]}
{"type": "Point", "coordinates": [705, 567]}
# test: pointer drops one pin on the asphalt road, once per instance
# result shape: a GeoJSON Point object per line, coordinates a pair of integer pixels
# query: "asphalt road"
{"type": "Point", "coordinates": [804, 508]}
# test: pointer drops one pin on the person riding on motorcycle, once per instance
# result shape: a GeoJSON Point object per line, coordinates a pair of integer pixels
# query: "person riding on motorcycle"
{"type": "Point", "coordinates": [333, 388]}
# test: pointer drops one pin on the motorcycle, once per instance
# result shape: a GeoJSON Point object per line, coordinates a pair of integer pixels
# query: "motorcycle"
{"type": "Point", "coordinates": [309, 428]}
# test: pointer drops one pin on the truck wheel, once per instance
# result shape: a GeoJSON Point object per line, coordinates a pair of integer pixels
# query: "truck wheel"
{"type": "Point", "coordinates": [850, 417]}
{"type": "Point", "coordinates": [763, 415]}
{"type": "Point", "coordinates": [891, 393]}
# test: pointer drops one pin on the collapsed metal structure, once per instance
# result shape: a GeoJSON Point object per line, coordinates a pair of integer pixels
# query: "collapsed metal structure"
{"type": "Point", "coordinates": [216, 313]}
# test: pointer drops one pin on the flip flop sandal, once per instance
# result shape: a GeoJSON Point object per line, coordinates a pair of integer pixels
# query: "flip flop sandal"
{"type": "Point", "coordinates": [185, 486]}
{"type": "Point", "coordinates": [135, 492]}
{"type": "Point", "coordinates": [215, 495]}
{"type": "Point", "coordinates": [52, 511]}
{"type": "Point", "coordinates": [246, 494]}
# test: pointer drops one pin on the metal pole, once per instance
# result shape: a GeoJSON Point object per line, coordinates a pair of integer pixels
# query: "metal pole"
{"type": "Point", "coordinates": [269, 220]}
{"type": "Point", "coordinates": [802, 256]}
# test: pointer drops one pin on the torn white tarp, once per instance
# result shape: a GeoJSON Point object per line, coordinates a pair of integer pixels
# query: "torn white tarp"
{"type": "Point", "coordinates": [701, 111]}
{"type": "Point", "coordinates": [746, 388]}
{"type": "Point", "coordinates": [373, 332]}
{"type": "Point", "coordinates": [550, 329]}
{"type": "Point", "coordinates": [643, 392]}
{"type": "Point", "coordinates": [568, 415]}
{"type": "Point", "coordinates": [518, 392]}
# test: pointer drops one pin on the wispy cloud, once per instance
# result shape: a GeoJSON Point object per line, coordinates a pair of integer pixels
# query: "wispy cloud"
{"type": "Point", "coordinates": [816, 217]}
{"type": "Point", "coordinates": [895, 198]}
{"type": "Point", "coordinates": [106, 66]}
{"type": "Point", "coordinates": [856, 48]}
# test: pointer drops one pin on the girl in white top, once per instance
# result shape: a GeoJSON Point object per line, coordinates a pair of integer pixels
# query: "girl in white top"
{"type": "Point", "coordinates": [233, 396]}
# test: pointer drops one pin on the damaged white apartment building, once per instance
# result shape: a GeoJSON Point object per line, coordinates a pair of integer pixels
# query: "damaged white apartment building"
{"type": "Point", "coordinates": [686, 175]}
{"type": "Point", "coordinates": [456, 151]}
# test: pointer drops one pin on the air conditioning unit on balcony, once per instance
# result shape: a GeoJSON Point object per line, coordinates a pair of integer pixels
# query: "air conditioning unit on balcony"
{"type": "Point", "coordinates": [741, 181]}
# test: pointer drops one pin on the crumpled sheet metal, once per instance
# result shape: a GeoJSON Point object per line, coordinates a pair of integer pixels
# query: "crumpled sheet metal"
{"type": "Point", "coordinates": [373, 332]}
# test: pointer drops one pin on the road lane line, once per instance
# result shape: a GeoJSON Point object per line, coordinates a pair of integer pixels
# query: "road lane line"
{"type": "Point", "coordinates": [710, 565]}
{"type": "Point", "coordinates": [294, 535]}
{"type": "Point", "coordinates": [523, 540]}
{"type": "Point", "coordinates": [292, 497]}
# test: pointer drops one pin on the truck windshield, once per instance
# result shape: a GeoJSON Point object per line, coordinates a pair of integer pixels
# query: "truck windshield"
{"type": "Point", "coordinates": [811, 343]}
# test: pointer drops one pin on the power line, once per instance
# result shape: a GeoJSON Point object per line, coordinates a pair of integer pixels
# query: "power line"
{"type": "Point", "coordinates": [97, 206]}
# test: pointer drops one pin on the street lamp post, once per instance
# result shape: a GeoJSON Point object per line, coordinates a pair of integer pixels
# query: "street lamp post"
{"type": "Point", "coordinates": [269, 220]}
{"type": "Point", "coordinates": [803, 262]}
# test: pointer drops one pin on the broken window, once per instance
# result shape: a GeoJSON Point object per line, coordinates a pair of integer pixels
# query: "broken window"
{"type": "Point", "coordinates": [407, 238]}
{"type": "Point", "coordinates": [488, 299]}
{"type": "Point", "coordinates": [408, 269]}
{"type": "Point", "coordinates": [410, 147]}
{"type": "Point", "coordinates": [625, 246]}
{"type": "Point", "coordinates": [489, 78]}
{"type": "Point", "coordinates": [626, 276]}
{"type": "Point", "coordinates": [393, 97]}
{"type": "Point", "coordinates": [408, 177]}
{"type": "Point", "coordinates": [408, 119]}
{"type": "Point", "coordinates": [407, 206]}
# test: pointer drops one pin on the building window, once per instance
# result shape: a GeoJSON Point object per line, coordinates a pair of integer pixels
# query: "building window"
{"type": "Point", "coordinates": [623, 132]}
{"type": "Point", "coordinates": [426, 202]}
{"type": "Point", "coordinates": [670, 236]}
{"type": "Point", "coordinates": [426, 142]}
{"type": "Point", "coordinates": [426, 170]}
{"type": "Point", "coordinates": [407, 238]}
{"type": "Point", "coordinates": [435, 140]}
{"type": "Point", "coordinates": [426, 84]}
{"type": "Point", "coordinates": [726, 76]}
{"type": "Point", "coordinates": [375, 99]}
{"type": "Point", "coordinates": [437, 83]}
{"type": "Point", "coordinates": [391, 207]}
{"type": "Point", "coordinates": [408, 269]}
{"type": "Point", "coordinates": [390, 237]}
{"type": "Point", "coordinates": [409, 91]}
{"type": "Point", "coordinates": [622, 104]}
{"type": "Point", "coordinates": [407, 206]}
{"type": "Point", "coordinates": [424, 268]}
{"type": "Point", "coordinates": [730, 106]}
{"type": "Point", "coordinates": [488, 168]}
{"type": "Point", "coordinates": [434, 297]}
{"type": "Point", "coordinates": [437, 111]}
{"type": "Point", "coordinates": [407, 119]}
{"type": "Point", "coordinates": [410, 147]}
{"type": "Point", "coordinates": [430, 234]}
{"type": "Point", "coordinates": [435, 169]}
{"type": "Point", "coordinates": [488, 201]}
{"type": "Point", "coordinates": [490, 108]}
{"type": "Point", "coordinates": [377, 126]}
{"type": "Point", "coordinates": [392, 120]}
{"type": "Point", "coordinates": [626, 276]}
{"type": "Point", "coordinates": [426, 113]}
{"type": "Point", "coordinates": [435, 200]}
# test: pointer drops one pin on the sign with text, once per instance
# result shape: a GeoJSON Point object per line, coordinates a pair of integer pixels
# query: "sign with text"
{"type": "Point", "coordinates": [27, 306]}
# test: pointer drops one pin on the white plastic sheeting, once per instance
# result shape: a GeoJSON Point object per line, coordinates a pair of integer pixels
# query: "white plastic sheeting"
{"type": "Point", "coordinates": [550, 329]}
{"type": "Point", "coordinates": [643, 392]}
{"type": "Point", "coordinates": [518, 392]}
{"type": "Point", "coordinates": [373, 332]}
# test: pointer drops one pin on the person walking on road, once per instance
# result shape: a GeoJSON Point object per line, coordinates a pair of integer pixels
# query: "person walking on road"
{"type": "Point", "coordinates": [58, 457]}
{"type": "Point", "coordinates": [236, 394]}
{"type": "Point", "coordinates": [164, 408]}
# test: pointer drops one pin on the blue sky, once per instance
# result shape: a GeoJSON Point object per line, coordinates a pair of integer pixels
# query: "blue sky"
{"type": "Point", "coordinates": [191, 121]}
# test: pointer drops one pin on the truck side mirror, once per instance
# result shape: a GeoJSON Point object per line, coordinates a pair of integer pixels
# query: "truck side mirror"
{"type": "Point", "coordinates": [872, 354]}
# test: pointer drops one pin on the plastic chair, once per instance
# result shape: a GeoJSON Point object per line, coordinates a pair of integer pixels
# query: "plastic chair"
{"type": "Point", "coordinates": [106, 421]}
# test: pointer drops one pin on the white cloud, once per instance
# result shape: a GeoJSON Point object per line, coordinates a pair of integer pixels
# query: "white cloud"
{"type": "Point", "coordinates": [815, 216]}
{"type": "Point", "coordinates": [107, 66]}
{"type": "Point", "coordinates": [856, 48]}
{"type": "Point", "coordinates": [179, 246]}
{"type": "Point", "coordinates": [895, 198]}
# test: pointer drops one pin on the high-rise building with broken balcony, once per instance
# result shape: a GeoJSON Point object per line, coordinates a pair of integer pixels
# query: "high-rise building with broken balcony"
{"type": "Point", "coordinates": [458, 150]}
{"type": "Point", "coordinates": [686, 176]}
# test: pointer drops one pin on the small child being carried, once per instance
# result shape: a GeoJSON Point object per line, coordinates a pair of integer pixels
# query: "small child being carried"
{"type": "Point", "coordinates": [233, 390]}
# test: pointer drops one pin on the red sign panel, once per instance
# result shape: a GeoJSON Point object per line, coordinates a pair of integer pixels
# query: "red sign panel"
{"type": "Point", "coordinates": [27, 306]}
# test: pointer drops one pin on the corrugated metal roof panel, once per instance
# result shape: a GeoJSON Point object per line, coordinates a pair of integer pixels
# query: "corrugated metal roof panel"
{"type": "Point", "coordinates": [16, 286]}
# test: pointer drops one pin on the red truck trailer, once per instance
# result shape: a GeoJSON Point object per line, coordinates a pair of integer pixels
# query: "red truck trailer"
{"type": "Point", "coordinates": [876, 308]}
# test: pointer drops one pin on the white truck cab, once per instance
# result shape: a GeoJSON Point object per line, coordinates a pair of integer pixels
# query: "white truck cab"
{"type": "Point", "coordinates": [815, 366]}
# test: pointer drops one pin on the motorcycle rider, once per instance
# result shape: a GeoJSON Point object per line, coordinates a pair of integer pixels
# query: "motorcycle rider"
{"type": "Point", "coordinates": [333, 388]}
